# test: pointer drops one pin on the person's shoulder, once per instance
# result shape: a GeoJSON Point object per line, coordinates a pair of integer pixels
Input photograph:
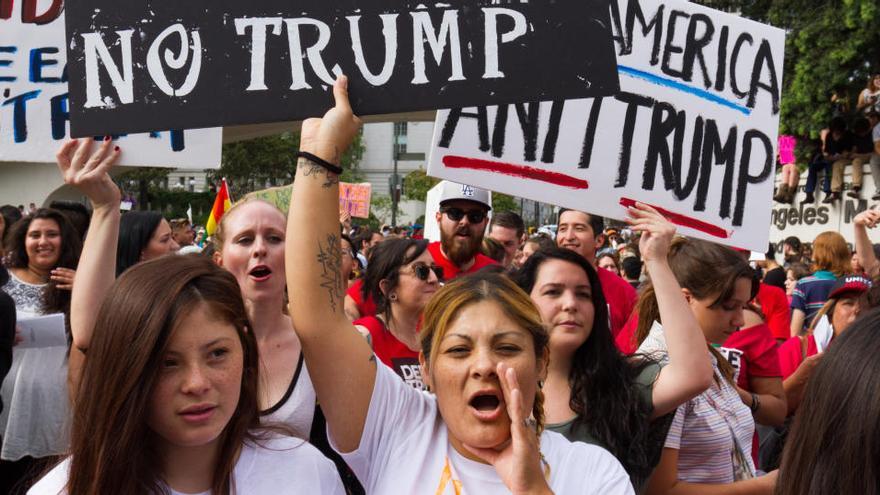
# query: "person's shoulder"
{"type": "Point", "coordinates": [611, 281]}
{"type": "Point", "coordinates": [54, 482]}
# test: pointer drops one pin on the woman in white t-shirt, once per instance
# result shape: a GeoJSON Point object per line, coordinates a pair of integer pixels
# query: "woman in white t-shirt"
{"type": "Point", "coordinates": [168, 397]}
{"type": "Point", "coordinates": [869, 98]}
{"type": "Point", "coordinates": [483, 354]}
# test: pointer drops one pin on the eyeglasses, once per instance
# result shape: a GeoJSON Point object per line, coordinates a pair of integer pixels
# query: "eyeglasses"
{"type": "Point", "coordinates": [422, 271]}
{"type": "Point", "coordinates": [456, 214]}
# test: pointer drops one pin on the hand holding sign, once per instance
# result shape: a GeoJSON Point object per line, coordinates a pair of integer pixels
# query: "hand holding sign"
{"type": "Point", "coordinates": [657, 232]}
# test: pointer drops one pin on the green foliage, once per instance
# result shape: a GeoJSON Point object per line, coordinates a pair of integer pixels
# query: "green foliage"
{"type": "Point", "coordinates": [269, 161]}
{"type": "Point", "coordinates": [381, 207]}
{"type": "Point", "coordinates": [142, 181]}
{"type": "Point", "coordinates": [503, 202]}
{"type": "Point", "coordinates": [830, 45]}
{"type": "Point", "coordinates": [417, 184]}
{"type": "Point", "coordinates": [173, 204]}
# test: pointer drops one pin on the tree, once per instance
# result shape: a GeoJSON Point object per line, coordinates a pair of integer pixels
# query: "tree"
{"type": "Point", "coordinates": [503, 202]}
{"type": "Point", "coordinates": [140, 179]}
{"type": "Point", "coordinates": [269, 161]}
{"type": "Point", "coordinates": [381, 207]}
{"type": "Point", "coordinates": [417, 184]}
{"type": "Point", "coordinates": [830, 46]}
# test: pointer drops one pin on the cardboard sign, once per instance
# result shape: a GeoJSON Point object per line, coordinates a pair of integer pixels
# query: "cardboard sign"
{"type": "Point", "coordinates": [692, 131]}
{"type": "Point", "coordinates": [355, 199]}
{"type": "Point", "coordinates": [278, 196]}
{"type": "Point", "coordinates": [42, 331]}
{"type": "Point", "coordinates": [146, 64]}
{"type": "Point", "coordinates": [34, 103]}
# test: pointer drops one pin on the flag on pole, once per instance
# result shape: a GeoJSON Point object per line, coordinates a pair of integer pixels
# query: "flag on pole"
{"type": "Point", "coordinates": [189, 213]}
{"type": "Point", "coordinates": [222, 204]}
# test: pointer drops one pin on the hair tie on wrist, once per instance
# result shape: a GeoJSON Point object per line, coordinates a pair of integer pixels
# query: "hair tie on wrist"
{"type": "Point", "coordinates": [319, 161]}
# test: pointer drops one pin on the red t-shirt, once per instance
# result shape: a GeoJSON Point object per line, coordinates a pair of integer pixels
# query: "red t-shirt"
{"type": "Point", "coordinates": [365, 307]}
{"type": "Point", "coordinates": [621, 298]}
{"type": "Point", "coordinates": [774, 305]}
{"type": "Point", "coordinates": [397, 356]}
{"type": "Point", "coordinates": [752, 352]}
{"type": "Point", "coordinates": [790, 354]}
{"type": "Point", "coordinates": [450, 270]}
{"type": "Point", "coordinates": [626, 339]}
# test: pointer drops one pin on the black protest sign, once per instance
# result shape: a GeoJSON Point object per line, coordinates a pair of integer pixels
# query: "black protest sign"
{"type": "Point", "coordinates": [140, 65]}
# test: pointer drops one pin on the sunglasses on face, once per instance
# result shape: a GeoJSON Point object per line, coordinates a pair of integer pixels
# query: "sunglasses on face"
{"type": "Point", "coordinates": [422, 271]}
{"type": "Point", "coordinates": [456, 214]}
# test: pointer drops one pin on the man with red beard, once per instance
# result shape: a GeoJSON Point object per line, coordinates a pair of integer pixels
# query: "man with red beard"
{"type": "Point", "coordinates": [462, 220]}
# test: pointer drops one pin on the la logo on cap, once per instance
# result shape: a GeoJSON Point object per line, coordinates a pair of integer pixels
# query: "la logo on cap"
{"type": "Point", "coordinates": [467, 191]}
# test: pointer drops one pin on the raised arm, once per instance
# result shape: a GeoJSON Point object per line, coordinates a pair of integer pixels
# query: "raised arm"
{"type": "Point", "coordinates": [689, 371]}
{"type": "Point", "coordinates": [88, 172]}
{"type": "Point", "coordinates": [864, 248]}
{"type": "Point", "coordinates": [314, 278]}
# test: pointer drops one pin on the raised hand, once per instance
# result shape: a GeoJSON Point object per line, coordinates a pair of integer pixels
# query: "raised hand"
{"type": "Point", "coordinates": [518, 463]}
{"type": "Point", "coordinates": [329, 136]}
{"type": "Point", "coordinates": [657, 232]}
{"type": "Point", "coordinates": [89, 172]}
{"type": "Point", "coordinates": [867, 218]}
{"type": "Point", "coordinates": [63, 278]}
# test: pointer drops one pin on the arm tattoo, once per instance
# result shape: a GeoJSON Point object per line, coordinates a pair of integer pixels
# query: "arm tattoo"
{"type": "Point", "coordinates": [314, 170]}
{"type": "Point", "coordinates": [330, 259]}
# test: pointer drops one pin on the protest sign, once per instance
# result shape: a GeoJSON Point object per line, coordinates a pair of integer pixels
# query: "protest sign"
{"type": "Point", "coordinates": [692, 131]}
{"type": "Point", "coordinates": [278, 196]}
{"type": "Point", "coordinates": [355, 199]}
{"type": "Point", "coordinates": [35, 106]}
{"type": "Point", "coordinates": [144, 64]}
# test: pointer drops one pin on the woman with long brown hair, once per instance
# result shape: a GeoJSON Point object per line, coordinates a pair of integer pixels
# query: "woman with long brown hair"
{"type": "Point", "coordinates": [168, 395]}
{"type": "Point", "coordinates": [483, 354]}
{"type": "Point", "coordinates": [708, 448]}
{"type": "Point", "coordinates": [834, 443]}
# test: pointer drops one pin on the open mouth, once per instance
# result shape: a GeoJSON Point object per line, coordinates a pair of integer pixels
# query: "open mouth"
{"type": "Point", "coordinates": [486, 405]}
{"type": "Point", "coordinates": [260, 272]}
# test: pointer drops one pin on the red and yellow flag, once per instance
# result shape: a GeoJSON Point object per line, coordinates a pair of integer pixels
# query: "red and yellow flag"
{"type": "Point", "coordinates": [222, 204]}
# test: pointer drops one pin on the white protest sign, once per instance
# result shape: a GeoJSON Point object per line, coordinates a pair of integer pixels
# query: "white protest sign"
{"type": "Point", "coordinates": [34, 107]}
{"type": "Point", "coordinates": [693, 130]}
{"type": "Point", "coordinates": [42, 331]}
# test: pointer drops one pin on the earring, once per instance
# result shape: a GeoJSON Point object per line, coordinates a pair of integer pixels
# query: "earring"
{"type": "Point", "coordinates": [393, 297]}
{"type": "Point", "coordinates": [540, 384]}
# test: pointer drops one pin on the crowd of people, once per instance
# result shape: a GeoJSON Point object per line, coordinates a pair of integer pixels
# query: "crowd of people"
{"type": "Point", "coordinates": [300, 354]}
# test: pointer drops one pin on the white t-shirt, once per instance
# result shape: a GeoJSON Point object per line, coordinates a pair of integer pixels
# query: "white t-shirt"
{"type": "Point", "coordinates": [405, 446]}
{"type": "Point", "coordinates": [281, 465]}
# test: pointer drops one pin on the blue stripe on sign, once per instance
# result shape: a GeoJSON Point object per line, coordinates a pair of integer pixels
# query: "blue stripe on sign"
{"type": "Point", "coordinates": [669, 83]}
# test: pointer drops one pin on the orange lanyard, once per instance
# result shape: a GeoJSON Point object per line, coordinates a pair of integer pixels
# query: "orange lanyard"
{"type": "Point", "coordinates": [448, 476]}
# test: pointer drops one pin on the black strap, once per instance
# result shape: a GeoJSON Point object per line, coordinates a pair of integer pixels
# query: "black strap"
{"type": "Point", "coordinates": [336, 169]}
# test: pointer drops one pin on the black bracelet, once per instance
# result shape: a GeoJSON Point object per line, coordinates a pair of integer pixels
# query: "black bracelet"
{"type": "Point", "coordinates": [756, 403]}
{"type": "Point", "coordinates": [319, 161]}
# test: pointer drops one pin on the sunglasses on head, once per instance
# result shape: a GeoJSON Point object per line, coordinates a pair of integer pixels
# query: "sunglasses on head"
{"type": "Point", "coordinates": [422, 271]}
{"type": "Point", "coordinates": [456, 214]}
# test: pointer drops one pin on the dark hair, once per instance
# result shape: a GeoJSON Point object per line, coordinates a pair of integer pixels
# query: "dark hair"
{"type": "Point", "coordinates": [632, 267]}
{"type": "Point", "coordinates": [861, 125]}
{"type": "Point", "coordinates": [544, 243]}
{"type": "Point", "coordinates": [770, 255]}
{"type": "Point", "coordinates": [794, 242]}
{"type": "Point", "coordinates": [133, 328]}
{"type": "Point", "coordinates": [873, 114]}
{"type": "Point", "coordinates": [706, 270]}
{"type": "Point", "coordinates": [604, 391]}
{"type": "Point", "coordinates": [837, 124]}
{"type": "Point", "coordinates": [613, 257]}
{"type": "Point", "coordinates": [11, 215]}
{"type": "Point", "coordinates": [55, 300]}
{"type": "Point", "coordinates": [493, 249]}
{"type": "Point", "coordinates": [385, 262]}
{"type": "Point", "coordinates": [510, 220]}
{"type": "Point", "coordinates": [596, 222]}
{"type": "Point", "coordinates": [77, 213]}
{"type": "Point", "coordinates": [834, 443]}
{"type": "Point", "coordinates": [365, 234]}
{"type": "Point", "coordinates": [135, 230]}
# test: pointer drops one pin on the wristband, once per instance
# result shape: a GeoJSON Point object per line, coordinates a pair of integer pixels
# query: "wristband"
{"type": "Point", "coordinates": [319, 161]}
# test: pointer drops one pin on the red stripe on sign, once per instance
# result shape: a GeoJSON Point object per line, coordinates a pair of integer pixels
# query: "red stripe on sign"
{"type": "Point", "coordinates": [683, 220]}
{"type": "Point", "coordinates": [514, 170]}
